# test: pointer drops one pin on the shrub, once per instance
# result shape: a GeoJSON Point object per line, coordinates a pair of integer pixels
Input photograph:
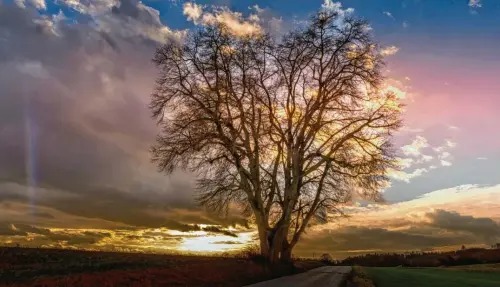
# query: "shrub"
{"type": "Point", "coordinates": [326, 258]}
{"type": "Point", "coordinates": [251, 252]}
{"type": "Point", "coordinates": [359, 278]}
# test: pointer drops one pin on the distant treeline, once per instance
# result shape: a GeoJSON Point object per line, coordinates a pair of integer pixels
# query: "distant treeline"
{"type": "Point", "coordinates": [426, 259]}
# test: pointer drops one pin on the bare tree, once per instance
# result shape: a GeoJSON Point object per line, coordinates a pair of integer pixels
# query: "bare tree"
{"type": "Point", "coordinates": [286, 130]}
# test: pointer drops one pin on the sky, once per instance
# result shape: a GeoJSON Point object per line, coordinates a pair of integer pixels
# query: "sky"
{"type": "Point", "coordinates": [75, 129]}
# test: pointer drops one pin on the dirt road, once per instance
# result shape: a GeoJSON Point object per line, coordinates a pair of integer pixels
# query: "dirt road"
{"type": "Point", "coordinates": [330, 276]}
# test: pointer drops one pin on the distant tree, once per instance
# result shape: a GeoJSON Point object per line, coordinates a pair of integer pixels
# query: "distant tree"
{"type": "Point", "coordinates": [327, 258]}
{"type": "Point", "coordinates": [285, 130]}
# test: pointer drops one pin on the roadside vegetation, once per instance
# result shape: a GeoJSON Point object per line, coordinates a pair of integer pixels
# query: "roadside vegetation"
{"type": "Point", "coordinates": [21, 267]}
{"type": "Point", "coordinates": [426, 259]}
{"type": "Point", "coordinates": [359, 278]}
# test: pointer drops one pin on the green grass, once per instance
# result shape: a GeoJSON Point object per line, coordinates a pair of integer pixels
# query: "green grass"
{"type": "Point", "coordinates": [431, 277]}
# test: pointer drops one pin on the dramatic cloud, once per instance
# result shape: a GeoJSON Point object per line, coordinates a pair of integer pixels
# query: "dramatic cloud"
{"type": "Point", "coordinates": [234, 21]}
{"type": "Point", "coordinates": [75, 130]}
{"type": "Point", "coordinates": [440, 220]}
{"type": "Point", "coordinates": [454, 221]}
{"type": "Point", "coordinates": [75, 124]}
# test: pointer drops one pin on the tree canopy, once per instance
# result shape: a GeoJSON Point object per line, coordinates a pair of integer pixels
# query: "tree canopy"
{"type": "Point", "coordinates": [287, 130]}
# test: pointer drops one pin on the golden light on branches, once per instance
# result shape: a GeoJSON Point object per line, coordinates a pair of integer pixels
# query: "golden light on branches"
{"type": "Point", "coordinates": [285, 130]}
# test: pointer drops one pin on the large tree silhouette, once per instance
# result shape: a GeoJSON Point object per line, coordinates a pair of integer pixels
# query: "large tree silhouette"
{"type": "Point", "coordinates": [286, 130]}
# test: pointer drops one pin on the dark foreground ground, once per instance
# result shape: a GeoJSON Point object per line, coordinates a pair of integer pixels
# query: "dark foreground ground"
{"type": "Point", "coordinates": [52, 267]}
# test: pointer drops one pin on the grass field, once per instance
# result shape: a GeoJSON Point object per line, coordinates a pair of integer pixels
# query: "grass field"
{"type": "Point", "coordinates": [433, 277]}
{"type": "Point", "coordinates": [479, 267]}
{"type": "Point", "coordinates": [21, 267]}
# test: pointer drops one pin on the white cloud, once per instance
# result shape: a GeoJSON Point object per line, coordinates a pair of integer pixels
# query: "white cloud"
{"type": "Point", "coordinates": [257, 9]}
{"type": "Point", "coordinates": [482, 158]}
{"type": "Point", "coordinates": [407, 78]}
{"type": "Point", "coordinates": [407, 176]}
{"type": "Point", "coordinates": [38, 4]}
{"type": "Point", "coordinates": [329, 5]}
{"type": "Point", "coordinates": [254, 18]}
{"type": "Point", "coordinates": [405, 162]}
{"type": "Point", "coordinates": [390, 50]}
{"type": "Point", "coordinates": [438, 149]}
{"type": "Point", "coordinates": [475, 3]}
{"type": "Point", "coordinates": [445, 163]}
{"type": "Point", "coordinates": [193, 11]}
{"type": "Point", "coordinates": [425, 158]}
{"type": "Point", "coordinates": [405, 24]}
{"type": "Point", "coordinates": [414, 148]}
{"type": "Point", "coordinates": [444, 155]}
{"type": "Point", "coordinates": [451, 144]}
{"type": "Point", "coordinates": [397, 91]}
{"type": "Point", "coordinates": [448, 144]}
{"type": "Point", "coordinates": [388, 14]}
{"type": "Point", "coordinates": [432, 167]}
{"type": "Point", "coordinates": [95, 7]}
{"type": "Point", "coordinates": [453, 127]}
{"type": "Point", "coordinates": [144, 21]}
{"type": "Point", "coordinates": [234, 21]}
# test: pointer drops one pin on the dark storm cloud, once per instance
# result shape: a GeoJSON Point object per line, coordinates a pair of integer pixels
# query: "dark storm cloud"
{"type": "Point", "coordinates": [74, 119]}
{"type": "Point", "coordinates": [366, 238]}
{"type": "Point", "coordinates": [454, 221]}
{"type": "Point", "coordinates": [32, 229]}
{"type": "Point", "coordinates": [136, 11]}
{"type": "Point", "coordinates": [434, 230]}
{"type": "Point", "coordinates": [73, 239]}
{"type": "Point", "coordinates": [7, 229]}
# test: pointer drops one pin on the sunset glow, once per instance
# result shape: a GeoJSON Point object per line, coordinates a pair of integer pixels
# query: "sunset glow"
{"type": "Point", "coordinates": [76, 129]}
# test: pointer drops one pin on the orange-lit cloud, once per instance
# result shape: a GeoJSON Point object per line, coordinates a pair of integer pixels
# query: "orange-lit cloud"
{"type": "Point", "coordinates": [234, 21]}
{"type": "Point", "coordinates": [462, 215]}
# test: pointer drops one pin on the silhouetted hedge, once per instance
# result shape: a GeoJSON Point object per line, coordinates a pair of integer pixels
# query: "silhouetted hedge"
{"type": "Point", "coordinates": [426, 259]}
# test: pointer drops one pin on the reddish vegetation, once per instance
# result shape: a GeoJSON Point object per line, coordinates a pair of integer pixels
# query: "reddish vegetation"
{"type": "Point", "coordinates": [45, 267]}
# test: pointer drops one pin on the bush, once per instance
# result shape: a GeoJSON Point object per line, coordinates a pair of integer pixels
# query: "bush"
{"type": "Point", "coordinates": [359, 278]}
{"type": "Point", "coordinates": [252, 252]}
{"type": "Point", "coordinates": [326, 258]}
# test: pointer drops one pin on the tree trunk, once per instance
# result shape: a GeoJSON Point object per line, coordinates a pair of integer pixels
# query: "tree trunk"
{"type": "Point", "coordinates": [277, 242]}
{"type": "Point", "coordinates": [274, 245]}
{"type": "Point", "coordinates": [286, 253]}
{"type": "Point", "coordinates": [264, 244]}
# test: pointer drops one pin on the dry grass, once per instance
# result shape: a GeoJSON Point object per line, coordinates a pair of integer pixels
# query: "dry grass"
{"type": "Point", "coordinates": [21, 267]}
{"type": "Point", "coordinates": [359, 278]}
